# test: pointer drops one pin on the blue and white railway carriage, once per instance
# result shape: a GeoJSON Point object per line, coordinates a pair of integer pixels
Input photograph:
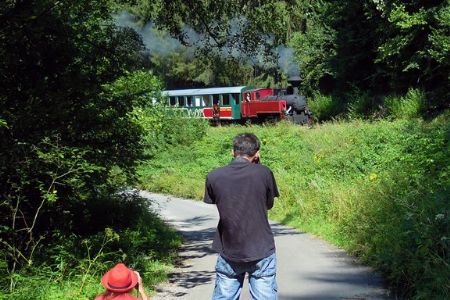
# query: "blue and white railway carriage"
{"type": "Point", "coordinates": [221, 102]}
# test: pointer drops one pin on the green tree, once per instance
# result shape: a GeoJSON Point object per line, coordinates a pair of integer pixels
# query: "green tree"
{"type": "Point", "coordinates": [378, 47]}
{"type": "Point", "coordinates": [227, 34]}
{"type": "Point", "coordinates": [62, 130]}
{"type": "Point", "coordinates": [357, 51]}
{"type": "Point", "coordinates": [315, 47]}
{"type": "Point", "coordinates": [414, 48]}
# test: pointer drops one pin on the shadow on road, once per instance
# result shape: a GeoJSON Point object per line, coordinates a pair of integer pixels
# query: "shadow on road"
{"type": "Point", "coordinates": [199, 221]}
{"type": "Point", "coordinates": [279, 230]}
{"type": "Point", "coordinates": [320, 297]}
{"type": "Point", "coordinates": [191, 279]}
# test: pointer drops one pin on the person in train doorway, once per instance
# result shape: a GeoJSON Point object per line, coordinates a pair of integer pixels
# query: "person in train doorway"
{"type": "Point", "coordinates": [243, 192]}
{"type": "Point", "coordinates": [216, 113]}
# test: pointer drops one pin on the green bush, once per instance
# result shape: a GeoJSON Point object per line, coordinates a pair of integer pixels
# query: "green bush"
{"type": "Point", "coordinates": [71, 266]}
{"type": "Point", "coordinates": [408, 106]}
{"type": "Point", "coordinates": [378, 189]}
{"type": "Point", "coordinates": [362, 105]}
{"type": "Point", "coordinates": [66, 122]}
{"type": "Point", "coordinates": [68, 221]}
{"type": "Point", "coordinates": [170, 129]}
{"type": "Point", "coordinates": [323, 107]}
{"type": "Point", "coordinates": [166, 127]}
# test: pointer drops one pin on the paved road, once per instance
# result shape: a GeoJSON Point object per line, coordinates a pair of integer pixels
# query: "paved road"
{"type": "Point", "coordinates": [308, 268]}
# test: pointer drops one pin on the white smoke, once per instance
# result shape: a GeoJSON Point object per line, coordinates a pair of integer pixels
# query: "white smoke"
{"type": "Point", "coordinates": [155, 41]}
{"type": "Point", "coordinates": [192, 37]}
{"type": "Point", "coordinates": [258, 56]}
{"type": "Point", "coordinates": [161, 43]}
{"type": "Point", "coordinates": [287, 61]}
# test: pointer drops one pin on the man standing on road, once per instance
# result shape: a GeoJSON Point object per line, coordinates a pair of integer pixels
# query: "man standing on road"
{"type": "Point", "coordinates": [243, 191]}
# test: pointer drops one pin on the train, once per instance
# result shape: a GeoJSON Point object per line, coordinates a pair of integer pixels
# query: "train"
{"type": "Point", "coordinates": [243, 104]}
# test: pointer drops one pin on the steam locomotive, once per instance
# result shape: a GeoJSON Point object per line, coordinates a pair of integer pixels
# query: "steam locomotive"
{"type": "Point", "coordinates": [243, 103]}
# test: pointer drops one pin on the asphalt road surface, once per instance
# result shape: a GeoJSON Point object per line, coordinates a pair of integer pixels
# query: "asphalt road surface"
{"type": "Point", "coordinates": [308, 268]}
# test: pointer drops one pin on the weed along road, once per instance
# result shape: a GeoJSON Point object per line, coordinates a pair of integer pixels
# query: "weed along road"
{"type": "Point", "coordinates": [308, 268]}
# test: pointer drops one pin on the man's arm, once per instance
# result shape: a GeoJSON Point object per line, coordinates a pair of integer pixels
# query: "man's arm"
{"type": "Point", "coordinates": [209, 193]}
{"type": "Point", "coordinates": [272, 191]}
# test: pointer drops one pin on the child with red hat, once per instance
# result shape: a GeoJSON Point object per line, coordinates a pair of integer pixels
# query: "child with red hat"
{"type": "Point", "coordinates": [119, 282]}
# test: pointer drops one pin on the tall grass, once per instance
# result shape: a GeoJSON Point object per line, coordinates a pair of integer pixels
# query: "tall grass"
{"type": "Point", "coordinates": [380, 189]}
{"type": "Point", "coordinates": [408, 106]}
{"type": "Point", "coordinates": [324, 107]}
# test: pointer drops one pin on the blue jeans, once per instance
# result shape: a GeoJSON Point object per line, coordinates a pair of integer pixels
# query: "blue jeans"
{"type": "Point", "coordinates": [261, 276]}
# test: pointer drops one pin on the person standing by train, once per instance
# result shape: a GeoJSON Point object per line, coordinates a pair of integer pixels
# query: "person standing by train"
{"type": "Point", "coordinates": [243, 192]}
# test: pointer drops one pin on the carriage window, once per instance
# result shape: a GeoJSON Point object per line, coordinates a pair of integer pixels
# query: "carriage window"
{"type": "Point", "coordinates": [172, 101]}
{"type": "Point", "coordinates": [197, 101]}
{"type": "Point", "coordinates": [215, 99]}
{"type": "Point", "coordinates": [180, 101]}
{"type": "Point", "coordinates": [189, 101]}
{"type": "Point", "coordinates": [236, 98]}
{"type": "Point", "coordinates": [226, 99]}
{"type": "Point", "coordinates": [258, 96]}
{"type": "Point", "coordinates": [206, 100]}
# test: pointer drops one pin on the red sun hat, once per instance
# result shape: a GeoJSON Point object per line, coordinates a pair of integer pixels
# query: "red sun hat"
{"type": "Point", "coordinates": [119, 279]}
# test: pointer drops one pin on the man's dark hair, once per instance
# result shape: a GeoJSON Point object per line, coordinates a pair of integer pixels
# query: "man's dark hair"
{"type": "Point", "coordinates": [245, 144]}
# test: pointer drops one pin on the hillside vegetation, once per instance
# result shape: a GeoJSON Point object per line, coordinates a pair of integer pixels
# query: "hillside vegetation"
{"type": "Point", "coordinates": [379, 189]}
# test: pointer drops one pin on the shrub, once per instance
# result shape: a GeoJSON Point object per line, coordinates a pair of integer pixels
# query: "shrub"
{"type": "Point", "coordinates": [113, 229]}
{"type": "Point", "coordinates": [362, 105]}
{"type": "Point", "coordinates": [324, 107]}
{"type": "Point", "coordinates": [168, 127]}
{"type": "Point", "coordinates": [408, 106]}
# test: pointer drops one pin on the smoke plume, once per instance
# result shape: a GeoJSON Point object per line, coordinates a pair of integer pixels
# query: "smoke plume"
{"type": "Point", "coordinates": [235, 46]}
{"type": "Point", "coordinates": [155, 41]}
{"type": "Point", "coordinates": [286, 61]}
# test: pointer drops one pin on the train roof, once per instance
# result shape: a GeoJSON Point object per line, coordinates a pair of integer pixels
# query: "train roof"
{"type": "Point", "coordinates": [257, 89]}
{"type": "Point", "coordinates": [206, 91]}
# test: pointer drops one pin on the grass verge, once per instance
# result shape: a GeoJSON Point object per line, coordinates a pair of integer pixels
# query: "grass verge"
{"type": "Point", "coordinates": [378, 189]}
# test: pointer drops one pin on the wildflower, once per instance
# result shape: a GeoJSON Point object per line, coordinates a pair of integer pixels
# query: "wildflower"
{"type": "Point", "coordinates": [373, 176]}
{"type": "Point", "coordinates": [317, 158]}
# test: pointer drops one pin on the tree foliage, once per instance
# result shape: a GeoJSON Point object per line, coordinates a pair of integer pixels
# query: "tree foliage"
{"type": "Point", "coordinates": [225, 35]}
{"type": "Point", "coordinates": [383, 47]}
{"type": "Point", "coordinates": [63, 129]}
{"type": "Point", "coordinates": [343, 48]}
{"type": "Point", "coordinates": [414, 50]}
